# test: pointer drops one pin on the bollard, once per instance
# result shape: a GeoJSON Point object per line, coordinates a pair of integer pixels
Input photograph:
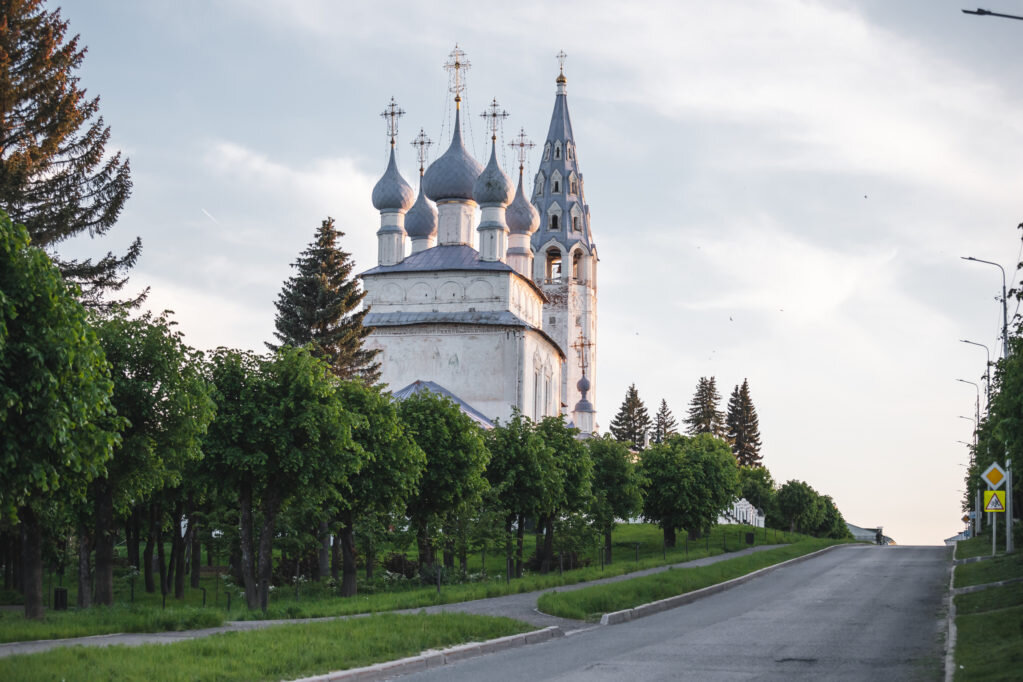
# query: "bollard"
{"type": "Point", "coordinates": [203, 596]}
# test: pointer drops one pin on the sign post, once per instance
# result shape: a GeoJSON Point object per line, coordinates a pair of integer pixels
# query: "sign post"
{"type": "Point", "coordinates": [994, 476]}
{"type": "Point", "coordinates": [1008, 506]}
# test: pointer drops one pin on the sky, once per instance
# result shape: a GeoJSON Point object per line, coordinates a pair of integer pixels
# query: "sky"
{"type": "Point", "coordinates": [780, 191]}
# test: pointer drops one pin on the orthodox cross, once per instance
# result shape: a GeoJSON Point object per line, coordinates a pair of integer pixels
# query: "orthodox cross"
{"type": "Point", "coordinates": [521, 145]}
{"type": "Point", "coordinates": [391, 114]}
{"type": "Point", "coordinates": [561, 61]}
{"type": "Point", "coordinates": [494, 115]}
{"type": "Point", "coordinates": [581, 345]}
{"type": "Point", "coordinates": [456, 64]}
{"type": "Point", "coordinates": [421, 143]}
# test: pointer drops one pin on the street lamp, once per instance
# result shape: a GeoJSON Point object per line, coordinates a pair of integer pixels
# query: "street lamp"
{"type": "Point", "coordinates": [1005, 305]}
{"type": "Point", "coordinates": [976, 425]}
{"type": "Point", "coordinates": [978, 397]}
{"type": "Point", "coordinates": [987, 366]}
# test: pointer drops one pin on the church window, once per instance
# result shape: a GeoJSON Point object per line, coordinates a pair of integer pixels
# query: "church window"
{"type": "Point", "coordinates": [557, 187]}
{"type": "Point", "coordinates": [536, 395]}
{"type": "Point", "coordinates": [573, 186]}
{"type": "Point", "coordinates": [575, 223]}
{"type": "Point", "coordinates": [554, 222]}
{"type": "Point", "coordinates": [570, 151]}
{"type": "Point", "coordinates": [553, 264]}
{"type": "Point", "coordinates": [557, 151]}
{"type": "Point", "coordinates": [577, 261]}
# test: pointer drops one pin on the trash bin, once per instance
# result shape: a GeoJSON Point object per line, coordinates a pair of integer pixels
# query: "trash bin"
{"type": "Point", "coordinates": [60, 599]}
{"type": "Point", "coordinates": [750, 539]}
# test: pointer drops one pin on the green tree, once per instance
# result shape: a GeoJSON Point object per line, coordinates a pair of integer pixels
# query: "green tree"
{"type": "Point", "coordinates": [55, 176]}
{"type": "Point", "coordinates": [757, 486]}
{"type": "Point", "coordinates": [160, 390]}
{"type": "Point", "coordinates": [520, 464]}
{"type": "Point", "coordinates": [388, 478]}
{"type": "Point", "coordinates": [632, 423]}
{"type": "Point", "coordinates": [664, 424]}
{"type": "Point", "coordinates": [832, 524]}
{"type": "Point", "coordinates": [704, 415]}
{"type": "Point", "coordinates": [319, 304]}
{"type": "Point", "coordinates": [568, 486]}
{"type": "Point", "coordinates": [280, 433]}
{"type": "Point", "coordinates": [616, 490]}
{"type": "Point", "coordinates": [57, 426]}
{"type": "Point", "coordinates": [800, 506]}
{"type": "Point", "coordinates": [743, 427]}
{"type": "Point", "coordinates": [687, 482]}
{"type": "Point", "coordinates": [456, 458]}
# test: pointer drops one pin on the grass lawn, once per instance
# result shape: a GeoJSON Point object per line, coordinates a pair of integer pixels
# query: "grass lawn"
{"type": "Point", "coordinates": [1001, 567]}
{"type": "Point", "coordinates": [590, 603]}
{"type": "Point", "coordinates": [282, 652]}
{"type": "Point", "coordinates": [316, 600]}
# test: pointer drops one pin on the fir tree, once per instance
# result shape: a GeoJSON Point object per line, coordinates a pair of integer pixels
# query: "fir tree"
{"type": "Point", "coordinates": [664, 424]}
{"type": "Point", "coordinates": [704, 415]}
{"type": "Point", "coordinates": [54, 175]}
{"type": "Point", "coordinates": [743, 427]}
{"type": "Point", "coordinates": [632, 423]}
{"type": "Point", "coordinates": [318, 306]}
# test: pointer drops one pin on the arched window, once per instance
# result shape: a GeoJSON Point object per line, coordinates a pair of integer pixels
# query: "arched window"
{"type": "Point", "coordinates": [547, 152]}
{"type": "Point", "coordinates": [575, 223]}
{"type": "Point", "coordinates": [554, 222]}
{"type": "Point", "coordinates": [553, 264]}
{"type": "Point", "coordinates": [573, 187]}
{"type": "Point", "coordinates": [557, 187]}
{"type": "Point", "coordinates": [557, 151]}
{"type": "Point", "coordinates": [570, 151]}
{"type": "Point", "coordinates": [577, 261]}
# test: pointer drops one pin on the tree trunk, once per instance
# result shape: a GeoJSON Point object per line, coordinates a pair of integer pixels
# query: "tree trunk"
{"type": "Point", "coordinates": [449, 547]}
{"type": "Point", "coordinates": [348, 570]}
{"type": "Point", "coordinates": [209, 552]}
{"type": "Point", "coordinates": [521, 534]}
{"type": "Point", "coordinates": [248, 562]}
{"type": "Point", "coordinates": [266, 536]}
{"type": "Point", "coordinates": [607, 547]}
{"type": "Point", "coordinates": [132, 530]}
{"type": "Point", "coordinates": [508, 542]}
{"type": "Point", "coordinates": [180, 540]}
{"type": "Point", "coordinates": [424, 546]}
{"type": "Point", "coordinates": [147, 552]}
{"type": "Point", "coordinates": [323, 557]}
{"type": "Point", "coordinates": [84, 600]}
{"type": "Point", "coordinates": [669, 537]}
{"type": "Point", "coordinates": [335, 558]}
{"type": "Point", "coordinates": [32, 563]}
{"type": "Point", "coordinates": [196, 555]}
{"type": "Point", "coordinates": [370, 557]}
{"type": "Point", "coordinates": [548, 543]}
{"type": "Point", "coordinates": [104, 539]}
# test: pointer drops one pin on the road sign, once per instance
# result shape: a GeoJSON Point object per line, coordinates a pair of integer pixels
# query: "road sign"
{"type": "Point", "coordinates": [966, 518]}
{"type": "Point", "coordinates": [994, 475]}
{"type": "Point", "coordinates": [994, 500]}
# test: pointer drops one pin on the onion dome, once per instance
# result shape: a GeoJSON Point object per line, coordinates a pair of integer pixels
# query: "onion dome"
{"type": "Point", "coordinates": [583, 384]}
{"type": "Point", "coordinates": [583, 405]}
{"type": "Point", "coordinates": [392, 193]}
{"type": "Point", "coordinates": [521, 216]}
{"type": "Point", "coordinates": [492, 186]}
{"type": "Point", "coordinates": [452, 175]}
{"type": "Point", "coordinates": [421, 219]}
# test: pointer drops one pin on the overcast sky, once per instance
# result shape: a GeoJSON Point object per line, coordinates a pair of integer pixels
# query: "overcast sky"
{"type": "Point", "coordinates": [780, 191]}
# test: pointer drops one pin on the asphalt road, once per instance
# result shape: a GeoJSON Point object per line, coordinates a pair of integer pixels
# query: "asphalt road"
{"type": "Point", "coordinates": [856, 613]}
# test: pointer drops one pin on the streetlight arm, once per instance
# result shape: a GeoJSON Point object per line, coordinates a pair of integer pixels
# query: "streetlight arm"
{"type": "Point", "coordinates": [1005, 303]}
{"type": "Point", "coordinates": [988, 13]}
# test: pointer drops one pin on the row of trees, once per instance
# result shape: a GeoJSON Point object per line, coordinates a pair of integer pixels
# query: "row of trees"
{"type": "Point", "coordinates": [739, 426]}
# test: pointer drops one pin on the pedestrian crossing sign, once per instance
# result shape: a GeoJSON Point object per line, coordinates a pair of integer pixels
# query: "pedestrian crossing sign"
{"type": "Point", "coordinates": [994, 500]}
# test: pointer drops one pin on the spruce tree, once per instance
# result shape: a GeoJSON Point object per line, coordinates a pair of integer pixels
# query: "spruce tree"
{"type": "Point", "coordinates": [664, 424]}
{"type": "Point", "coordinates": [743, 427]}
{"type": "Point", "coordinates": [54, 175]}
{"type": "Point", "coordinates": [318, 305]}
{"type": "Point", "coordinates": [704, 415]}
{"type": "Point", "coordinates": [632, 423]}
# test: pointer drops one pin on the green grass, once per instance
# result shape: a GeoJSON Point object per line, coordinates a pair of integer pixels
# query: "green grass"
{"type": "Point", "coordinates": [991, 599]}
{"type": "Point", "coordinates": [981, 545]}
{"type": "Point", "coordinates": [590, 603]}
{"type": "Point", "coordinates": [1001, 567]}
{"type": "Point", "coordinates": [99, 620]}
{"type": "Point", "coordinates": [282, 652]}
{"type": "Point", "coordinates": [989, 645]}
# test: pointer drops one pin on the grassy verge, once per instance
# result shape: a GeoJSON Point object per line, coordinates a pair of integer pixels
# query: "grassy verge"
{"type": "Point", "coordinates": [1001, 567]}
{"type": "Point", "coordinates": [591, 602]}
{"type": "Point", "coordinates": [282, 652]}
{"type": "Point", "coordinates": [103, 620]}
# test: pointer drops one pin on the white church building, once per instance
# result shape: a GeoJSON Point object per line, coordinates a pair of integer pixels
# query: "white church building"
{"type": "Point", "coordinates": [481, 291]}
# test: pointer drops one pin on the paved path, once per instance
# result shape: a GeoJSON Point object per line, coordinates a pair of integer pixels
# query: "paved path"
{"type": "Point", "coordinates": [858, 612]}
{"type": "Point", "coordinates": [518, 606]}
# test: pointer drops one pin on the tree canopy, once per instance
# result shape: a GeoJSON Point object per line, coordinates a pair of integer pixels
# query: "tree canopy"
{"type": "Point", "coordinates": [632, 423]}
{"type": "Point", "coordinates": [664, 424]}
{"type": "Point", "coordinates": [743, 426]}
{"type": "Point", "coordinates": [704, 415]}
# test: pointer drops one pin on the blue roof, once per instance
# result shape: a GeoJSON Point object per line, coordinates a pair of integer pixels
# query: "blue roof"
{"type": "Point", "coordinates": [446, 257]}
{"type": "Point", "coordinates": [420, 386]}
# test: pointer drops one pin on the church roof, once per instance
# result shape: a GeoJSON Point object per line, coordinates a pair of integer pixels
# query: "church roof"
{"type": "Point", "coordinates": [442, 257]}
{"type": "Point", "coordinates": [452, 176]}
{"type": "Point", "coordinates": [392, 193]}
{"type": "Point", "coordinates": [420, 386]}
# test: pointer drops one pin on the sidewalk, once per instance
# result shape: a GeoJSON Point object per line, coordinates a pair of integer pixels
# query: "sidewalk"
{"type": "Point", "coordinates": [518, 606]}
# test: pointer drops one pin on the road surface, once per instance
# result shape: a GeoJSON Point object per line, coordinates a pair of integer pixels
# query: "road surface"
{"type": "Point", "coordinates": [859, 612]}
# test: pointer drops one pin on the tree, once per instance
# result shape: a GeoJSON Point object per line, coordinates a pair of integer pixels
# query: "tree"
{"type": "Point", "coordinates": [388, 478]}
{"type": "Point", "coordinates": [57, 426]}
{"type": "Point", "coordinates": [616, 491]}
{"type": "Point", "coordinates": [801, 506]}
{"type": "Point", "coordinates": [568, 488]}
{"type": "Point", "coordinates": [832, 524]}
{"type": "Point", "coordinates": [317, 306]}
{"type": "Point", "coordinates": [687, 482]}
{"type": "Point", "coordinates": [704, 415]}
{"type": "Point", "coordinates": [160, 390]}
{"type": "Point", "coordinates": [743, 427]}
{"type": "Point", "coordinates": [456, 458]}
{"type": "Point", "coordinates": [280, 432]}
{"type": "Point", "coordinates": [632, 423]}
{"type": "Point", "coordinates": [757, 486]}
{"type": "Point", "coordinates": [664, 424]}
{"type": "Point", "coordinates": [55, 176]}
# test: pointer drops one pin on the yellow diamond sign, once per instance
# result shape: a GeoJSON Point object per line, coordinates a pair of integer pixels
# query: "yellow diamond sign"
{"type": "Point", "coordinates": [994, 475]}
{"type": "Point", "coordinates": [994, 500]}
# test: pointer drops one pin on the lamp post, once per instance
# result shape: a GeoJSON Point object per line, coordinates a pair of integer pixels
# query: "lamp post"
{"type": "Point", "coordinates": [976, 386]}
{"type": "Point", "coordinates": [975, 427]}
{"type": "Point", "coordinates": [1005, 305]}
{"type": "Point", "coordinates": [987, 366]}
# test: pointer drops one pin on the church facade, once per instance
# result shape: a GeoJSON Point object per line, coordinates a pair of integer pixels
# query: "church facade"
{"type": "Point", "coordinates": [484, 290]}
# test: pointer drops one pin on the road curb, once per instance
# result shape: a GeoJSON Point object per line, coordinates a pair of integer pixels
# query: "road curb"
{"type": "Point", "coordinates": [980, 588]}
{"type": "Point", "coordinates": [644, 610]}
{"type": "Point", "coordinates": [950, 637]}
{"type": "Point", "coordinates": [434, 659]}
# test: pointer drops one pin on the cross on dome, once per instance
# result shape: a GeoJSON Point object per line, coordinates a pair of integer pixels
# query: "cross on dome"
{"type": "Point", "coordinates": [521, 145]}
{"type": "Point", "coordinates": [494, 115]}
{"type": "Point", "coordinates": [391, 114]}
{"type": "Point", "coordinates": [457, 63]}
{"type": "Point", "coordinates": [561, 61]}
{"type": "Point", "coordinates": [422, 143]}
